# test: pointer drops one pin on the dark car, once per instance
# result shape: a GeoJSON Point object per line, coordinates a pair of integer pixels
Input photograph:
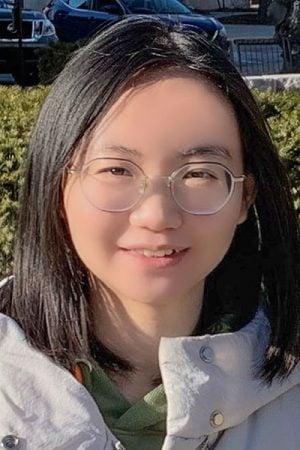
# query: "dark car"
{"type": "Point", "coordinates": [79, 19]}
{"type": "Point", "coordinates": [37, 32]}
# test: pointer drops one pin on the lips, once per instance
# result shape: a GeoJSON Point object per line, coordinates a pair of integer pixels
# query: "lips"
{"type": "Point", "coordinates": [154, 248]}
{"type": "Point", "coordinates": [156, 258]}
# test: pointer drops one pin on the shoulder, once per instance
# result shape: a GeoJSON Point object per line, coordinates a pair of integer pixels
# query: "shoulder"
{"type": "Point", "coordinates": [274, 426]}
{"type": "Point", "coordinates": [37, 394]}
{"type": "Point", "coordinates": [207, 374]}
{"type": "Point", "coordinates": [11, 337]}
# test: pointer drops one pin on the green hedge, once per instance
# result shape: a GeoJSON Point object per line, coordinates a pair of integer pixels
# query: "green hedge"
{"type": "Point", "coordinates": [283, 114]}
{"type": "Point", "coordinates": [18, 110]}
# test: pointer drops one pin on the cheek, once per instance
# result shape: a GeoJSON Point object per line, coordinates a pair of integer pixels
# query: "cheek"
{"type": "Point", "coordinates": [93, 232]}
{"type": "Point", "coordinates": [214, 235]}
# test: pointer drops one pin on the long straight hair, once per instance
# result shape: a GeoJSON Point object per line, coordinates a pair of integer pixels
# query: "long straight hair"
{"type": "Point", "coordinates": [49, 295]}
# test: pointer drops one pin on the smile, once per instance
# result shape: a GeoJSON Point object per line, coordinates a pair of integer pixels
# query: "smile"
{"type": "Point", "coordinates": [156, 253]}
{"type": "Point", "coordinates": [161, 258]}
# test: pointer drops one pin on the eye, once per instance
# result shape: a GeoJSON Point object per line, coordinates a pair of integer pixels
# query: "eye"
{"type": "Point", "coordinates": [118, 171]}
{"type": "Point", "coordinates": [202, 174]}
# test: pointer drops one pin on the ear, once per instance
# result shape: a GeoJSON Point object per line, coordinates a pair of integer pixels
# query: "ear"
{"type": "Point", "coordinates": [249, 195]}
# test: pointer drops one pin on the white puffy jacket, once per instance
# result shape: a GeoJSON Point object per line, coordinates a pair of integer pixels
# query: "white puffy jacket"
{"type": "Point", "coordinates": [209, 386]}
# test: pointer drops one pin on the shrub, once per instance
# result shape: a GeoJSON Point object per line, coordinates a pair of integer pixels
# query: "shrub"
{"type": "Point", "coordinates": [53, 58]}
{"type": "Point", "coordinates": [283, 114]}
{"type": "Point", "coordinates": [18, 110]}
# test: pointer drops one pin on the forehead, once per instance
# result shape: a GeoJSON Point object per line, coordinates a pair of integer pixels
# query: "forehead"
{"type": "Point", "coordinates": [164, 119]}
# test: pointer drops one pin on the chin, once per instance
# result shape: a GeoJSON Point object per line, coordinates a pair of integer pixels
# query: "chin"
{"type": "Point", "coordinates": [156, 294]}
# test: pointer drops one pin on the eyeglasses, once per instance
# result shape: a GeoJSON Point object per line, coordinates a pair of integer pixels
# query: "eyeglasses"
{"type": "Point", "coordinates": [117, 185]}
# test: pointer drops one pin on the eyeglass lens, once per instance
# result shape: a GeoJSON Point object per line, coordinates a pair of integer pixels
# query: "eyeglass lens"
{"type": "Point", "coordinates": [117, 185]}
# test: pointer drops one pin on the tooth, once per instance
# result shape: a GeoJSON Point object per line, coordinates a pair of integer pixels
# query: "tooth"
{"type": "Point", "coordinates": [148, 253]}
{"type": "Point", "coordinates": [160, 253]}
{"type": "Point", "coordinates": [156, 253]}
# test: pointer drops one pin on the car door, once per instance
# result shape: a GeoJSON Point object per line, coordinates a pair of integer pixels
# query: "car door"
{"type": "Point", "coordinates": [103, 12]}
{"type": "Point", "coordinates": [72, 19]}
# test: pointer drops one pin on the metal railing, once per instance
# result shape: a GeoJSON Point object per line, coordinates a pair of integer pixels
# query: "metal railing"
{"type": "Point", "coordinates": [265, 56]}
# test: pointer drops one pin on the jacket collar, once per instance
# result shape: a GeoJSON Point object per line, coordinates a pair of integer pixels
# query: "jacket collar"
{"type": "Point", "coordinates": [215, 374]}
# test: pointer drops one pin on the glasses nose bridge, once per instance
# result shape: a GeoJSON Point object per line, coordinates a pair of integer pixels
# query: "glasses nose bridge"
{"type": "Point", "coordinates": [167, 178]}
{"type": "Point", "coordinates": [164, 191]}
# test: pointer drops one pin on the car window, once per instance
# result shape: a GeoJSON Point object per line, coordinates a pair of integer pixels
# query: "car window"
{"type": "Point", "coordinates": [4, 4]}
{"type": "Point", "coordinates": [109, 6]}
{"type": "Point", "coordinates": [80, 4]}
{"type": "Point", "coordinates": [141, 6]}
{"type": "Point", "coordinates": [157, 6]}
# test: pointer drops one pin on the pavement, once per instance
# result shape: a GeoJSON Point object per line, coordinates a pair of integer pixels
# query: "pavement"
{"type": "Point", "coordinates": [249, 31]}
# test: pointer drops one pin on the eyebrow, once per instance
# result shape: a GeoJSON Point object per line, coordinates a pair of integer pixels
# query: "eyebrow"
{"type": "Point", "coordinates": [205, 150]}
{"type": "Point", "coordinates": [208, 150]}
{"type": "Point", "coordinates": [122, 149]}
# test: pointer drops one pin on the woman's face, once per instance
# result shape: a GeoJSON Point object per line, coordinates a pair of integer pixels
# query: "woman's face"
{"type": "Point", "coordinates": [154, 126]}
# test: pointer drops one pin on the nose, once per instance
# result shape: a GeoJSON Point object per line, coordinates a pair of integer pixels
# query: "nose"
{"type": "Point", "coordinates": [157, 210]}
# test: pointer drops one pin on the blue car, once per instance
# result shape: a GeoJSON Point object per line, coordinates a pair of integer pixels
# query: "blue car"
{"type": "Point", "coordinates": [79, 19]}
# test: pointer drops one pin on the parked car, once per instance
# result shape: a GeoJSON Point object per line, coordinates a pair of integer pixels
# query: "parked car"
{"type": "Point", "coordinates": [79, 19]}
{"type": "Point", "coordinates": [37, 32]}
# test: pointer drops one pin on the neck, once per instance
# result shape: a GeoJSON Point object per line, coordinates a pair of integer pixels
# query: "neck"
{"type": "Point", "coordinates": [133, 329]}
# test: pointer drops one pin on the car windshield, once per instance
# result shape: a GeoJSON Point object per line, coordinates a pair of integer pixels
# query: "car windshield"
{"type": "Point", "coordinates": [6, 4]}
{"type": "Point", "coordinates": [157, 6]}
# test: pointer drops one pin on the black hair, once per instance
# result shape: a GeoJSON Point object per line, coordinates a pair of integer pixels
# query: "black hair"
{"type": "Point", "coordinates": [49, 295]}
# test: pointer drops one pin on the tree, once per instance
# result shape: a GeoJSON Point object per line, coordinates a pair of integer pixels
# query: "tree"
{"type": "Point", "coordinates": [285, 15]}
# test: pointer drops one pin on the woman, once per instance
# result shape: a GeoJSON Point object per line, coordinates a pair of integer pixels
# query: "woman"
{"type": "Point", "coordinates": [155, 297]}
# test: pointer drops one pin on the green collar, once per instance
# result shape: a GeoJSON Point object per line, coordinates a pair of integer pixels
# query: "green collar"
{"type": "Point", "coordinates": [148, 413]}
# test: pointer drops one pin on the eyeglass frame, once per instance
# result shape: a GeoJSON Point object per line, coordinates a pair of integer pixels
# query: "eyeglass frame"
{"type": "Point", "coordinates": [79, 171]}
